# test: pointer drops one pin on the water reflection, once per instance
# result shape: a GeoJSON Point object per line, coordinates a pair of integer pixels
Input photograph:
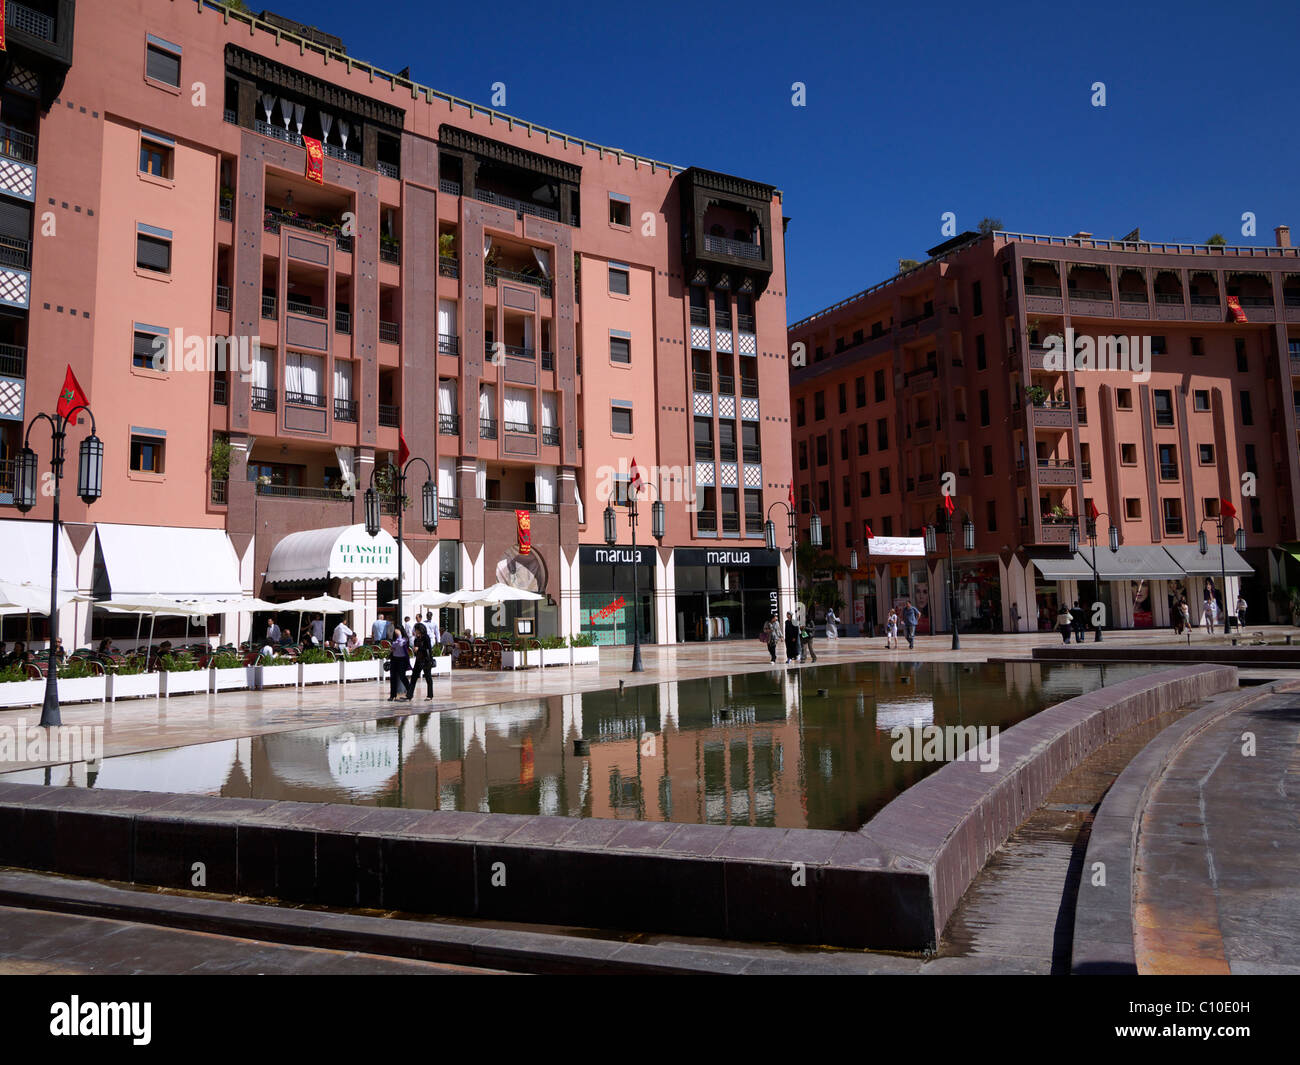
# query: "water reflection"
{"type": "Point", "coordinates": [756, 749]}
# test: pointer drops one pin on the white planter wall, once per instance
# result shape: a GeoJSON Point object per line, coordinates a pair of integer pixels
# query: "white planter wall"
{"type": "Point", "coordinates": [22, 693]}
{"type": "Point", "coordinates": [363, 670]}
{"type": "Point", "coordinates": [133, 685]}
{"type": "Point", "coordinates": [318, 673]}
{"type": "Point", "coordinates": [185, 683]}
{"type": "Point", "coordinates": [81, 690]}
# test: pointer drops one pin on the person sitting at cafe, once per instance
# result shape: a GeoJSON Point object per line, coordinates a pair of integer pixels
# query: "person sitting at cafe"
{"type": "Point", "coordinates": [106, 646]}
{"type": "Point", "coordinates": [286, 639]}
{"type": "Point", "coordinates": [16, 657]}
{"type": "Point", "coordinates": [449, 642]}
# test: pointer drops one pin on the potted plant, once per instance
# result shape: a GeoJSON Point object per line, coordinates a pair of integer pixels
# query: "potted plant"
{"type": "Point", "coordinates": [82, 681]}
{"type": "Point", "coordinates": [362, 664]}
{"type": "Point", "coordinates": [447, 245]}
{"type": "Point", "coordinates": [180, 675]}
{"type": "Point", "coordinates": [131, 679]}
{"type": "Point", "coordinates": [270, 672]}
{"type": "Point", "coordinates": [318, 666]}
{"type": "Point", "coordinates": [17, 689]}
{"type": "Point", "coordinates": [1036, 395]}
{"type": "Point", "coordinates": [229, 672]}
{"type": "Point", "coordinates": [583, 650]}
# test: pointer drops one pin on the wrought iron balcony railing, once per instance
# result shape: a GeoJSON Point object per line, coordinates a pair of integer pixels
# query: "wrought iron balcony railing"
{"type": "Point", "coordinates": [390, 331]}
{"type": "Point", "coordinates": [13, 360]}
{"type": "Point", "coordinates": [389, 415]}
{"type": "Point", "coordinates": [494, 272]}
{"type": "Point", "coordinates": [448, 266]}
{"type": "Point", "coordinates": [223, 297]}
{"type": "Point", "coordinates": [550, 436]}
{"type": "Point", "coordinates": [737, 249]}
{"type": "Point", "coordinates": [518, 206]}
{"type": "Point", "coordinates": [449, 424]}
{"type": "Point", "coordinates": [487, 428]}
{"type": "Point", "coordinates": [263, 399]}
{"type": "Point", "coordinates": [22, 17]}
{"type": "Point", "coordinates": [345, 410]}
{"type": "Point", "coordinates": [15, 251]}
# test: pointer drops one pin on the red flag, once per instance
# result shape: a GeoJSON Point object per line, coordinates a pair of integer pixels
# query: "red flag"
{"type": "Point", "coordinates": [3, 46]}
{"type": "Point", "coordinates": [403, 452]}
{"type": "Point", "coordinates": [948, 504]}
{"type": "Point", "coordinates": [1093, 512]}
{"type": "Point", "coordinates": [71, 396]}
{"type": "Point", "coordinates": [1234, 309]}
{"type": "Point", "coordinates": [792, 495]}
{"type": "Point", "coordinates": [635, 484]}
{"type": "Point", "coordinates": [315, 160]}
{"type": "Point", "coordinates": [1227, 509]}
{"type": "Point", "coordinates": [524, 520]}
{"type": "Point", "coordinates": [867, 526]}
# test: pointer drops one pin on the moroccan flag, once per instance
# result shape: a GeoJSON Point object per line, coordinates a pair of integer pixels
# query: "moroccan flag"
{"type": "Point", "coordinates": [948, 504]}
{"type": "Point", "coordinates": [525, 520]}
{"type": "Point", "coordinates": [70, 396]}
{"type": "Point", "coordinates": [792, 495]}
{"type": "Point", "coordinates": [1227, 509]}
{"type": "Point", "coordinates": [2, 26]}
{"type": "Point", "coordinates": [867, 526]}
{"type": "Point", "coordinates": [1234, 309]}
{"type": "Point", "coordinates": [403, 452]}
{"type": "Point", "coordinates": [636, 483]}
{"type": "Point", "coordinates": [1093, 512]}
{"type": "Point", "coordinates": [315, 160]}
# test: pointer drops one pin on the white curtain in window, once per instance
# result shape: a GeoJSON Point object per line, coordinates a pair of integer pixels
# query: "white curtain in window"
{"type": "Point", "coordinates": [326, 123]}
{"type": "Point", "coordinates": [262, 369]}
{"type": "Point", "coordinates": [447, 318]}
{"type": "Point", "coordinates": [342, 379]}
{"type": "Point", "coordinates": [550, 410]}
{"type": "Point", "coordinates": [528, 332]}
{"type": "Point", "coordinates": [544, 485]}
{"type": "Point", "coordinates": [446, 396]}
{"type": "Point", "coordinates": [344, 455]}
{"type": "Point", "coordinates": [543, 261]}
{"type": "Point", "coordinates": [446, 478]}
{"type": "Point", "coordinates": [268, 105]}
{"type": "Point", "coordinates": [519, 406]}
{"type": "Point", "coordinates": [487, 245]}
{"type": "Point", "coordinates": [343, 133]}
{"type": "Point", "coordinates": [480, 480]}
{"type": "Point", "coordinates": [293, 372]}
{"type": "Point", "coordinates": [303, 374]}
{"type": "Point", "coordinates": [299, 112]}
{"type": "Point", "coordinates": [487, 402]}
{"type": "Point", "coordinates": [286, 112]}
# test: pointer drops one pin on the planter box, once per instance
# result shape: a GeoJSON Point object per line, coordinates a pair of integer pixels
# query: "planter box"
{"type": "Point", "coordinates": [229, 679]}
{"type": "Point", "coordinates": [518, 659]}
{"type": "Point", "coordinates": [317, 672]}
{"type": "Point", "coordinates": [81, 690]}
{"type": "Point", "coordinates": [556, 656]}
{"type": "Point", "coordinates": [586, 656]}
{"type": "Point", "coordinates": [442, 666]}
{"type": "Point", "coordinates": [187, 682]}
{"type": "Point", "coordinates": [365, 670]}
{"type": "Point", "coordinates": [23, 693]}
{"type": "Point", "coordinates": [275, 676]}
{"type": "Point", "coordinates": [133, 686]}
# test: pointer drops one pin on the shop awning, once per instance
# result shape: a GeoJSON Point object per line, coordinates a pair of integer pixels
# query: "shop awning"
{"type": "Point", "coordinates": [347, 553]}
{"type": "Point", "coordinates": [1134, 562]}
{"type": "Point", "coordinates": [25, 554]}
{"type": "Point", "coordinates": [166, 560]}
{"type": "Point", "coordinates": [1195, 564]}
{"type": "Point", "coordinates": [1063, 568]}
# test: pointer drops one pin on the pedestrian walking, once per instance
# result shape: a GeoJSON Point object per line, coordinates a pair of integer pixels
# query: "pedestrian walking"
{"type": "Point", "coordinates": [1241, 612]}
{"type": "Point", "coordinates": [1211, 609]}
{"type": "Point", "coordinates": [1078, 620]}
{"type": "Point", "coordinates": [399, 660]}
{"type": "Point", "coordinates": [382, 629]}
{"type": "Point", "coordinates": [891, 630]}
{"type": "Point", "coordinates": [806, 642]}
{"type": "Point", "coordinates": [911, 618]}
{"type": "Point", "coordinates": [832, 625]}
{"type": "Point", "coordinates": [1015, 617]}
{"type": "Point", "coordinates": [772, 634]}
{"type": "Point", "coordinates": [1064, 623]}
{"type": "Point", "coordinates": [791, 638]}
{"type": "Point", "coordinates": [423, 661]}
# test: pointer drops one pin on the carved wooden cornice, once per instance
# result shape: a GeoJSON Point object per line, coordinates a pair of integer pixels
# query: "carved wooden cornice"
{"type": "Point", "coordinates": [241, 61]}
{"type": "Point", "coordinates": [455, 138]}
{"type": "Point", "coordinates": [730, 186]}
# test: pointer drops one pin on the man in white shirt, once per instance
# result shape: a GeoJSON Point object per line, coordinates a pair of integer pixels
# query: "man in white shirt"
{"type": "Point", "coordinates": [379, 630]}
{"type": "Point", "coordinates": [340, 636]}
{"type": "Point", "coordinates": [431, 623]}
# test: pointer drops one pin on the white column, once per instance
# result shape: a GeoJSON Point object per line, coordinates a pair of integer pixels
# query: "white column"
{"type": "Point", "coordinates": [665, 599]}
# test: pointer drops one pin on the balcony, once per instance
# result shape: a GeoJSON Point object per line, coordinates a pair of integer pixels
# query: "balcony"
{"type": "Point", "coordinates": [390, 332]}
{"type": "Point", "coordinates": [752, 454]}
{"type": "Point", "coordinates": [16, 144]}
{"type": "Point", "coordinates": [345, 410]}
{"type": "Point", "coordinates": [703, 452]}
{"type": "Point", "coordinates": [269, 307]}
{"type": "Point", "coordinates": [550, 436]}
{"type": "Point", "coordinates": [223, 297]}
{"type": "Point", "coordinates": [727, 452]}
{"type": "Point", "coordinates": [1205, 301]}
{"type": "Point", "coordinates": [389, 416]}
{"type": "Point", "coordinates": [449, 188]}
{"type": "Point", "coordinates": [737, 249]}
{"type": "Point", "coordinates": [448, 344]}
{"type": "Point", "coordinates": [1097, 295]}
{"type": "Point", "coordinates": [731, 523]}
{"type": "Point", "coordinates": [521, 427]}
{"type": "Point", "coordinates": [1043, 290]}
{"type": "Point", "coordinates": [343, 322]}
{"type": "Point", "coordinates": [217, 495]}
{"type": "Point", "coordinates": [15, 251]}
{"type": "Point", "coordinates": [449, 424]}
{"type": "Point", "coordinates": [1134, 297]}
{"type": "Point", "coordinates": [745, 322]}
{"type": "Point", "coordinates": [1053, 416]}
{"type": "Point", "coordinates": [1169, 471]}
{"type": "Point", "coordinates": [699, 316]}
{"type": "Point", "coordinates": [722, 321]}
{"type": "Point", "coordinates": [706, 521]}
{"type": "Point", "coordinates": [290, 137]}
{"type": "Point", "coordinates": [391, 170]}
{"type": "Point", "coordinates": [390, 251]}
{"type": "Point", "coordinates": [226, 210]}
{"type": "Point", "coordinates": [1169, 298]}
{"type": "Point", "coordinates": [726, 385]}
{"type": "Point", "coordinates": [275, 217]}
{"type": "Point", "coordinates": [13, 360]}
{"type": "Point", "coordinates": [448, 508]}
{"type": "Point", "coordinates": [302, 491]}
{"type": "Point", "coordinates": [1055, 472]}
{"type": "Point", "coordinates": [514, 351]}
{"type": "Point", "coordinates": [492, 273]}
{"type": "Point", "coordinates": [263, 399]}
{"type": "Point", "coordinates": [298, 306]}
{"type": "Point", "coordinates": [230, 116]}
{"type": "Point", "coordinates": [749, 387]}
{"type": "Point", "coordinates": [21, 17]}
{"type": "Point", "coordinates": [448, 266]}
{"type": "Point", "coordinates": [518, 206]}
{"type": "Point", "coordinates": [487, 428]}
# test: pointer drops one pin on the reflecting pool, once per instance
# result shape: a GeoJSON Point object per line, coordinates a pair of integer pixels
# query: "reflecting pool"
{"type": "Point", "coordinates": [763, 749]}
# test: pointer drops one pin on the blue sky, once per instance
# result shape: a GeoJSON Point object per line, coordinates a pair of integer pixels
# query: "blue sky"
{"type": "Point", "coordinates": [912, 109]}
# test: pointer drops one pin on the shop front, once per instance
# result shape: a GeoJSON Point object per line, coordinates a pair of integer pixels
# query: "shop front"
{"type": "Point", "coordinates": [978, 593]}
{"type": "Point", "coordinates": [726, 593]}
{"type": "Point", "coordinates": [606, 576]}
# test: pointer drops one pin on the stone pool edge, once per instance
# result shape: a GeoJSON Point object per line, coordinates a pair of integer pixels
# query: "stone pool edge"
{"type": "Point", "coordinates": [891, 886]}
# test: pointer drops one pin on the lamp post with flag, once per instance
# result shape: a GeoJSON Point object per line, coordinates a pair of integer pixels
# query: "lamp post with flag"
{"type": "Point", "coordinates": [634, 485]}
{"type": "Point", "coordinates": [90, 486]}
{"type": "Point", "coordinates": [1226, 511]}
{"type": "Point", "coordinates": [814, 535]}
{"type": "Point", "coordinates": [397, 483]}
{"type": "Point", "coordinates": [931, 547]}
{"type": "Point", "coordinates": [1093, 515]}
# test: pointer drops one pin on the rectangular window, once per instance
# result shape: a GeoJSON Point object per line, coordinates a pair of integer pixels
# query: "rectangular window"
{"type": "Point", "coordinates": [727, 440]}
{"type": "Point", "coordinates": [754, 511]}
{"type": "Point", "coordinates": [619, 279]}
{"type": "Point", "coordinates": [1158, 346]}
{"type": "Point", "coordinates": [991, 516]}
{"type": "Point", "coordinates": [1201, 399]}
{"type": "Point", "coordinates": [1128, 454]}
{"type": "Point", "coordinates": [1239, 345]}
{"type": "Point", "coordinates": [981, 359]}
{"type": "Point", "coordinates": [620, 346]}
{"type": "Point", "coordinates": [988, 460]}
{"type": "Point", "coordinates": [156, 152]}
{"type": "Point", "coordinates": [620, 420]}
{"type": "Point", "coordinates": [1085, 461]}
{"type": "Point", "coordinates": [1123, 399]}
{"type": "Point", "coordinates": [860, 391]}
{"type": "Point", "coordinates": [1210, 507]}
{"type": "Point", "coordinates": [984, 406]}
{"type": "Point", "coordinates": [1251, 464]}
{"type": "Point", "coordinates": [864, 483]}
{"type": "Point", "coordinates": [730, 510]}
{"type": "Point", "coordinates": [882, 479]}
{"type": "Point", "coordinates": [1081, 405]}
{"type": "Point", "coordinates": [147, 454]}
{"type": "Point", "coordinates": [620, 210]}
{"type": "Point", "coordinates": [844, 443]}
{"type": "Point", "coordinates": [1173, 514]}
{"type": "Point", "coordinates": [162, 61]}
{"type": "Point", "coordinates": [864, 439]}
{"type": "Point", "coordinates": [824, 495]}
{"type": "Point", "coordinates": [1198, 346]}
{"type": "Point", "coordinates": [882, 434]}
{"type": "Point", "coordinates": [844, 398]}
{"type": "Point", "coordinates": [846, 493]}
{"type": "Point", "coordinates": [977, 299]}
{"type": "Point", "coordinates": [1164, 406]}
{"type": "Point", "coordinates": [1168, 457]}
{"type": "Point", "coordinates": [1133, 509]}
{"type": "Point", "coordinates": [878, 382]}
{"type": "Point", "coordinates": [150, 341]}
{"type": "Point", "coordinates": [803, 454]}
{"type": "Point", "coordinates": [886, 526]}
{"type": "Point", "coordinates": [1247, 415]}
{"type": "Point", "coordinates": [799, 413]}
{"type": "Point", "coordinates": [153, 249]}
{"type": "Point", "coordinates": [819, 406]}
{"type": "Point", "coordinates": [823, 456]}
{"type": "Point", "coordinates": [1205, 454]}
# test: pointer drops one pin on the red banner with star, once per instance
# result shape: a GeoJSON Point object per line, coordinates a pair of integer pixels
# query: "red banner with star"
{"type": "Point", "coordinates": [1234, 309]}
{"type": "Point", "coordinates": [315, 160]}
{"type": "Point", "coordinates": [525, 520]}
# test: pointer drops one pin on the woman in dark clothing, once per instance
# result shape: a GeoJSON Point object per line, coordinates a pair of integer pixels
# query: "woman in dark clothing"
{"type": "Point", "coordinates": [791, 639]}
{"type": "Point", "coordinates": [399, 662]}
{"type": "Point", "coordinates": [423, 662]}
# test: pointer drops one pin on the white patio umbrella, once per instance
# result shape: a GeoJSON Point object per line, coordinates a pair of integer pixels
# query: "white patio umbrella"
{"type": "Point", "coordinates": [321, 604]}
{"type": "Point", "coordinates": [28, 598]}
{"type": "Point", "coordinates": [427, 600]}
{"type": "Point", "coordinates": [167, 606]}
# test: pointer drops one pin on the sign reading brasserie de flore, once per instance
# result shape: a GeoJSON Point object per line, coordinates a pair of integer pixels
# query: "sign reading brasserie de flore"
{"type": "Point", "coordinates": [376, 560]}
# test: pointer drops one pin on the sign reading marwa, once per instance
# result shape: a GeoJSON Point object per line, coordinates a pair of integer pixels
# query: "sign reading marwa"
{"type": "Point", "coordinates": [376, 560]}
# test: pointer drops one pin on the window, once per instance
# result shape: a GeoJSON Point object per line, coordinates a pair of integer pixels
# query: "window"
{"type": "Point", "coordinates": [1205, 454]}
{"type": "Point", "coordinates": [819, 406]}
{"type": "Point", "coordinates": [1198, 346]}
{"type": "Point", "coordinates": [1251, 464]}
{"type": "Point", "coordinates": [864, 439]}
{"type": "Point", "coordinates": [977, 299]}
{"type": "Point", "coordinates": [1085, 461]}
{"type": "Point", "coordinates": [988, 460]}
{"type": "Point", "coordinates": [846, 493]}
{"type": "Point", "coordinates": [751, 446]}
{"type": "Point", "coordinates": [981, 360]}
{"type": "Point", "coordinates": [620, 210]}
{"type": "Point", "coordinates": [822, 456]}
{"type": "Point", "coordinates": [754, 511]}
{"type": "Point", "coordinates": [1247, 415]}
{"type": "Point", "coordinates": [153, 249]}
{"type": "Point", "coordinates": [887, 526]}
{"type": "Point", "coordinates": [1168, 457]}
{"type": "Point", "coordinates": [1210, 507]}
{"type": "Point", "coordinates": [146, 454]}
{"type": "Point", "coordinates": [620, 346]}
{"type": "Point", "coordinates": [151, 348]}
{"type": "Point", "coordinates": [1123, 399]}
{"type": "Point", "coordinates": [860, 391]}
{"type": "Point", "coordinates": [1080, 405]}
{"type": "Point", "coordinates": [805, 498]}
{"type": "Point", "coordinates": [162, 61]}
{"type": "Point", "coordinates": [1164, 405]}
{"type": "Point", "coordinates": [844, 443]}
{"type": "Point", "coordinates": [803, 454]}
{"type": "Point", "coordinates": [991, 516]}
{"type": "Point", "coordinates": [1201, 399]}
{"type": "Point", "coordinates": [620, 420]}
{"type": "Point", "coordinates": [619, 279]}
{"type": "Point", "coordinates": [799, 413]}
{"type": "Point", "coordinates": [730, 510]}
{"type": "Point", "coordinates": [1128, 454]}
{"type": "Point", "coordinates": [1158, 346]}
{"type": "Point", "coordinates": [156, 153]}
{"type": "Point", "coordinates": [727, 440]}
{"type": "Point", "coordinates": [864, 484]}
{"type": "Point", "coordinates": [1239, 345]}
{"type": "Point", "coordinates": [882, 434]}
{"type": "Point", "coordinates": [824, 495]}
{"type": "Point", "coordinates": [844, 398]}
{"type": "Point", "coordinates": [848, 532]}
{"type": "Point", "coordinates": [878, 382]}
{"type": "Point", "coordinates": [1172, 510]}
{"type": "Point", "coordinates": [984, 406]}
{"type": "Point", "coordinates": [1132, 509]}
{"type": "Point", "coordinates": [883, 480]}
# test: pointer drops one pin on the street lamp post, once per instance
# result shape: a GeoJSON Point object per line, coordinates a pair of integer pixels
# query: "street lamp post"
{"type": "Point", "coordinates": [90, 486]}
{"type": "Point", "coordinates": [931, 547]}
{"type": "Point", "coordinates": [1092, 540]}
{"type": "Point", "coordinates": [428, 511]}
{"type": "Point", "coordinates": [1239, 543]}
{"type": "Point", "coordinates": [814, 537]}
{"type": "Point", "coordinates": [611, 537]}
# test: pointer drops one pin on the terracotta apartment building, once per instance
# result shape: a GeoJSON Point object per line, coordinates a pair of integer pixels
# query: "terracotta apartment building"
{"type": "Point", "coordinates": [956, 366]}
{"type": "Point", "coordinates": [530, 311]}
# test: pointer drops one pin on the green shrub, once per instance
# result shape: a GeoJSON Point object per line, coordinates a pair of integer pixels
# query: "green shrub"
{"type": "Point", "coordinates": [553, 643]}
{"type": "Point", "coordinates": [75, 669]}
{"type": "Point", "coordinates": [363, 653]}
{"type": "Point", "coordinates": [12, 673]}
{"type": "Point", "coordinates": [131, 667]}
{"type": "Point", "coordinates": [227, 660]}
{"type": "Point", "coordinates": [316, 656]}
{"type": "Point", "coordinates": [177, 663]}
{"type": "Point", "coordinates": [583, 639]}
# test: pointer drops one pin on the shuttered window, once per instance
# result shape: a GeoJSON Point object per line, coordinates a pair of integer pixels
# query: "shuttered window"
{"type": "Point", "coordinates": [620, 348]}
{"type": "Point", "coordinates": [151, 253]}
{"type": "Point", "coordinates": [163, 65]}
{"type": "Point", "coordinates": [15, 220]}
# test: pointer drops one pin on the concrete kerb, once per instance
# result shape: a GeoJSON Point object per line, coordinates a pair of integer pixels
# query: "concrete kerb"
{"type": "Point", "coordinates": [1103, 915]}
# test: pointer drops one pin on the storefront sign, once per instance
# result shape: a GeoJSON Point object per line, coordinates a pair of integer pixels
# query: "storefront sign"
{"type": "Point", "coordinates": [747, 556]}
{"type": "Point", "coordinates": [906, 546]}
{"type": "Point", "coordinates": [613, 556]}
